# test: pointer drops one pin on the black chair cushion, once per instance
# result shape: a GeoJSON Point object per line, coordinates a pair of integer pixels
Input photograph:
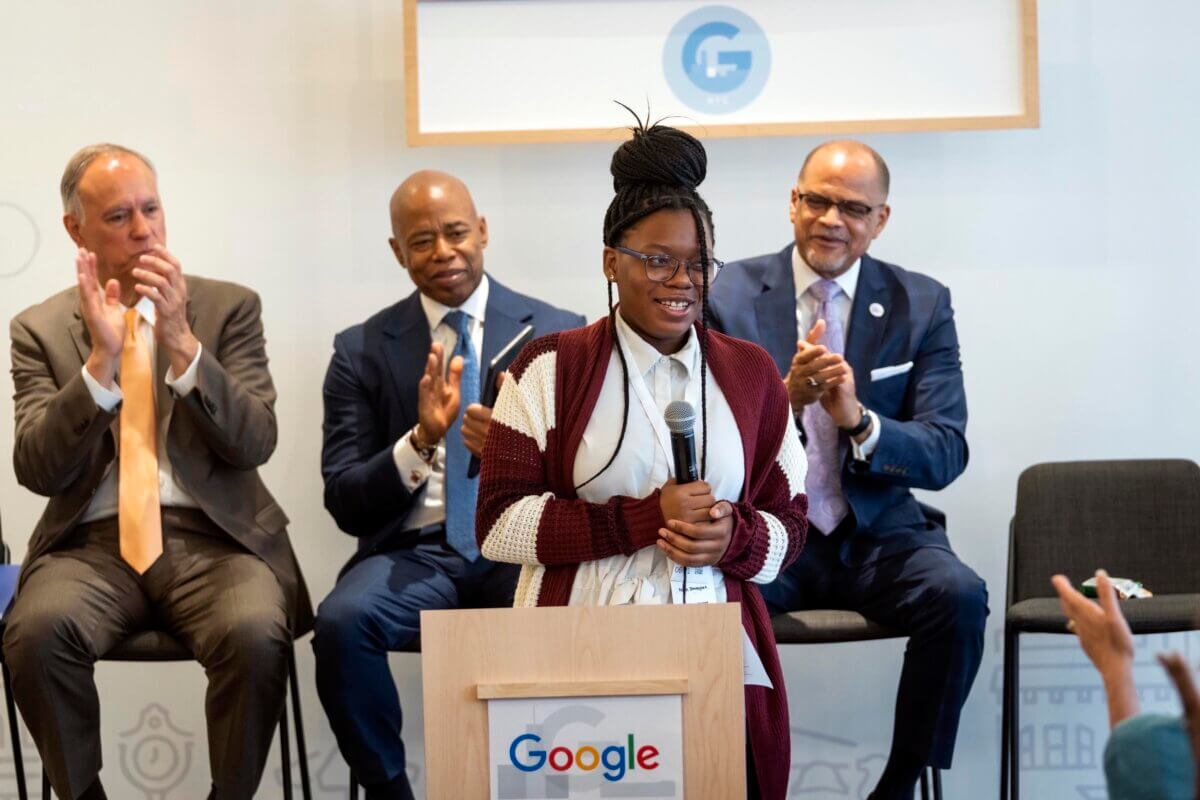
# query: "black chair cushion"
{"type": "Point", "coordinates": [1159, 614]}
{"type": "Point", "coordinates": [827, 626]}
{"type": "Point", "coordinates": [149, 646]}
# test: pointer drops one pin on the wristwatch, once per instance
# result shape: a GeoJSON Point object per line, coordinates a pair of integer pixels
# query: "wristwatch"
{"type": "Point", "coordinates": [425, 452]}
{"type": "Point", "coordinates": [863, 423]}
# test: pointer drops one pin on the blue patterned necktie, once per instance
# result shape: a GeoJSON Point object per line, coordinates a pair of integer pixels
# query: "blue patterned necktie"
{"type": "Point", "coordinates": [826, 503]}
{"type": "Point", "coordinates": [461, 490]}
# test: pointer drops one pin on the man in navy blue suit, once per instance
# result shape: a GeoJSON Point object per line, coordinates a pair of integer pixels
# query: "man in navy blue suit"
{"type": "Point", "coordinates": [870, 357]}
{"type": "Point", "coordinates": [401, 422]}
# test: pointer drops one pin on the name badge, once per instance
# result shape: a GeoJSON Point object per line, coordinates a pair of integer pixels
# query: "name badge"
{"type": "Point", "coordinates": [701, 588]}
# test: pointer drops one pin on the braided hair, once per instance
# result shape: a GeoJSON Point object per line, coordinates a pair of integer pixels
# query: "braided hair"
{"type": "Point", "coordinates": [659, 168]}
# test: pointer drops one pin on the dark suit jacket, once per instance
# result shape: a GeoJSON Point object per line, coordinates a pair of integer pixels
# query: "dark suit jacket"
{"type": "Point", "coordinates": [922, 413]}
{"type": "Point", "coordinates": [371, 401]}
{"type": "Point", "coordinates": [218, 436]}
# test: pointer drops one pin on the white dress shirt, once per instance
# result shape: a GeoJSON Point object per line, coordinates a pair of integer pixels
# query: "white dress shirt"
{"type": "Point", "coordinates": [806, 316]}
{"type": "Point", "coordinates": [428, 481]}
{"type": "Point", "coordinates": [642, 465]}
{"type": "Point", "coordinates": [170, 493]}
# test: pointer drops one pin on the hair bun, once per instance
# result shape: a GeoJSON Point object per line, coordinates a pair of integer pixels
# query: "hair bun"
{"type": "Point", "coordinates": [659, 156]}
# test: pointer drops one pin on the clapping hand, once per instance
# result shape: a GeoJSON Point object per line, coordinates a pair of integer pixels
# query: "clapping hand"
{"type": "Point", "coordinates": [814, 369]}
{"type": "Point", "coordinates": [476, 420]}
{"type": "Point", "coordinates": [160, 278]}
{"type": "Point", "coordinates": [438, 395]}
{"type": "Point", "coordinates": [100, 307]}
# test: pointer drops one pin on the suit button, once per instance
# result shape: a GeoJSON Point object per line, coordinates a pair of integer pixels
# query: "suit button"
{"type": "Point", "coordinates": [210, 405]}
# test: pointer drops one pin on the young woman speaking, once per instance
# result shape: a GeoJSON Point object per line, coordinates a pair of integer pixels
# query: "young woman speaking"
{"type": "Point", "coordinates": [577, 482]}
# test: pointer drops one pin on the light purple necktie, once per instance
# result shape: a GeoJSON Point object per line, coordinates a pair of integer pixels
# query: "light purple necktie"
{"type": "Point", "coordinates": [826, 504]}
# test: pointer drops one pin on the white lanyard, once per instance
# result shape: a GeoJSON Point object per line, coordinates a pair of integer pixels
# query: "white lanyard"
{"type": "Point", "coordinates": [649, 407]}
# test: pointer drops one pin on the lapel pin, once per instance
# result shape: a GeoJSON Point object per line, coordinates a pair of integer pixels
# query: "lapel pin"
{"type": "Point", "coordinates": [875, 309]}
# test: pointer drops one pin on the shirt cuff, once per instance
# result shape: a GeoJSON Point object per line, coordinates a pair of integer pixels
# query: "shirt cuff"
{"type": "Point", "coordinates": [413, 469]}
{"type": "Point", "coordinates": [106, 399]}
{"type": "Point", "coordinates": [183, 385]}
{"type": "Point", "coordinates": [862, 452]}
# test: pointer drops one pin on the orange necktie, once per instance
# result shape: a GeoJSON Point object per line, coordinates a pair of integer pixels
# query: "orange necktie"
{"type": "Point", "coordinates": [139, 516]}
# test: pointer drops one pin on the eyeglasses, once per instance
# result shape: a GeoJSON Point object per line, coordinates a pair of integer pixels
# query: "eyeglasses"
{"type": "Point", "coordinates": [819, 204]}
{"type": "Point", "coordinates": [660, 268]}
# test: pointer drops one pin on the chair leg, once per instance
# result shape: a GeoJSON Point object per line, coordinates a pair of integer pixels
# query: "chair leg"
{"type": "Point", "coordinates": [1010, 741]}
{"type": "Point", "coordinates": [924, 784]}
{"type": "Point", "coordinates": [14, 733]}
{"type": "Point", "coordinates": [353, 786]}
{"type": "Point", "coordinates": [301, 747]}
{"type": "Point", "coordinates": [285, 756]}
{"type": "Point", "coordinates": [1005, 714]}
{"type": "Point", "coordinates": [937, 784]}
{"type": "Point", "coordinates": [1014, 731]}
{"type": "Point", "coordinates": [45, 785]}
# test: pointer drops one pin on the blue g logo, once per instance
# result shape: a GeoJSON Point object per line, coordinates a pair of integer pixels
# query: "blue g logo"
{"type": "Point", "coordinates": [717, 59]}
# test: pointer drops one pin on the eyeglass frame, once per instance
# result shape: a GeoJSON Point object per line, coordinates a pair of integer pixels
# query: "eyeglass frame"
{"type": "Point", "coordinates": [846, 208]}
{"type": "Point", "coordinates": [715, 263]}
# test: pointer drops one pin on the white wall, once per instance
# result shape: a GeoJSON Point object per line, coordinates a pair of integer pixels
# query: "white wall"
{"type": "Point", "coordinates": [277, 128]}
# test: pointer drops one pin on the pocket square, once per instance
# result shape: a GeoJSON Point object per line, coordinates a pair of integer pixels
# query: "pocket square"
{"type": "Point", "coordinates": [890, 372]}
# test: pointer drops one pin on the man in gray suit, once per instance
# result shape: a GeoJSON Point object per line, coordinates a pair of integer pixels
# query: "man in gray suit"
{"type": "Point", "coordinates": [143, 409]}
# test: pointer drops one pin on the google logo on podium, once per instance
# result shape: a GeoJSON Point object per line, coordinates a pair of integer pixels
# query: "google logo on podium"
{"type": "Point", "coordinates": [585, 747]}
{"type": "Point", "coordinates": [616, 759]}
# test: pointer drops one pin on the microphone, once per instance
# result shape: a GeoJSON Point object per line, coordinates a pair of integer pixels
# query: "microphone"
{"type": "Point", "coordinates": [681, 421]}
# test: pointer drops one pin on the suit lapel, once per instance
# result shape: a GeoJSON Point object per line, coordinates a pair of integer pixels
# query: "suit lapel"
{"type": "Point", "coordinates": [505, 315]}
{"type": "Point", "coordinates": [79, 334]}
{"type": "Point", "coordinates": [406, 343]}
{"type": "Point", "coordinates": [866, 329]}
{"type": "Point", "coordinates": [775, 310]}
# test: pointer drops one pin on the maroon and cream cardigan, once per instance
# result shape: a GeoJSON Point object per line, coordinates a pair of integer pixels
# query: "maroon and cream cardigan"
{"type": "Point", "coordinates": [529, 514]}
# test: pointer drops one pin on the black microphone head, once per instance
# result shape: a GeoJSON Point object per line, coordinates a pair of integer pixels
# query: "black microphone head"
{"type": "Point", "coordinates": [680, 417]}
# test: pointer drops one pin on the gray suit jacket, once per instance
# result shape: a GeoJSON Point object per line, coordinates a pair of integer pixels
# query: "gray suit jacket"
{"type": "Point", "coordinates": [218, 436]}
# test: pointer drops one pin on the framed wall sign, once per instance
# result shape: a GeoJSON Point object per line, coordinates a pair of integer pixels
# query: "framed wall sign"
{"type": "Point", "coordinates": [496, 71]}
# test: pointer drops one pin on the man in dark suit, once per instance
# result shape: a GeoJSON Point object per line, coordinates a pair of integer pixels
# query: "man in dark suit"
{"type": "Point", "coordinates": [143, 409]}
{"type": "Point", "coordinates": [395, 464]}
{"type": "Point", "coordinates": [870, 357]}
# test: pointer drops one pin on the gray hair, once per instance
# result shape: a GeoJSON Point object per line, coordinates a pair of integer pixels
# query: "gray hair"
{"type": "Point", "coordinates": [69, 188]}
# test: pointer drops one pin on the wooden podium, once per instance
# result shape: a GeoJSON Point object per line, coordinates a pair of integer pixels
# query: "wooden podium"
{"type": "Point", "coordinates": [469, 657]}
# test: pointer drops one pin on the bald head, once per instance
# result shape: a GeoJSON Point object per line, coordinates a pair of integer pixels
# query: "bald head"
{"type": "Point", "coordinates": [438, 236]}
{"type": "Point", "coordinates": [847, 151]}
{"type": "Point", "coordinates": [421, 188]}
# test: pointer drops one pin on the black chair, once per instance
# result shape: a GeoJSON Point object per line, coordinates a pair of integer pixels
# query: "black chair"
{"type": "Point", "coordinates": [835, 626]}
{"type": "Point", "coordinates": [412, 647]}
{"type": "Point", "coordinates": [1136, 519]}
{"type": "Point", "coordinates": [149, 646]}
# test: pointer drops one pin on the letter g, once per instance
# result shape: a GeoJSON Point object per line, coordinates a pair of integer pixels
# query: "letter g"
{"type": "Point", "coordinates": [538, 757]}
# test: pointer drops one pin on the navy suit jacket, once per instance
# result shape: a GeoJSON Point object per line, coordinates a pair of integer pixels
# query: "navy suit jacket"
{"type": "Point", "coordinates": [922, 413]}
{"type": "Point", "coordinates": [371, 401]}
